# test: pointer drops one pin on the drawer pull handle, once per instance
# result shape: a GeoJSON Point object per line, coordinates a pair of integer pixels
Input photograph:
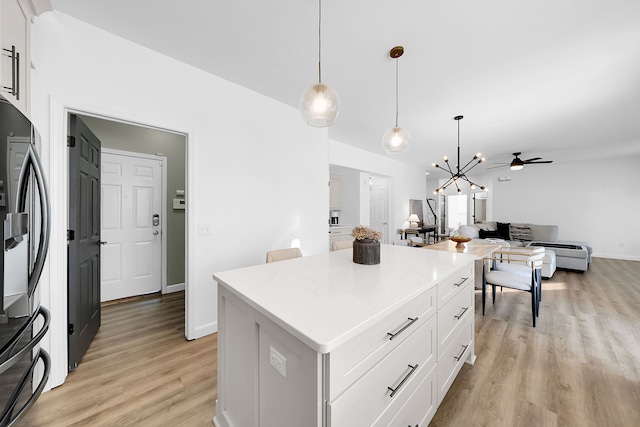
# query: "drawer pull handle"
{"type": "Point", "coordinates": [464, 279]}
{"type": "Point", "coordinates": [404, 380]}
{"type": "Point", "coordinates": [464, 348]}
{"type": "Point", "coordinates": [392, 336]}
{"type": "Point", "coordinates": [464, 310]}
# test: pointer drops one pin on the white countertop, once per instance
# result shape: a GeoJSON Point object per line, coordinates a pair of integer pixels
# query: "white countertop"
{"type": "Point", "coordinates": [326, 299]}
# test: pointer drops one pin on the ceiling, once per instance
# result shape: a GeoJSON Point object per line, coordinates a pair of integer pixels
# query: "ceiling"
{"type": "Point", "coordinates": [554, 79]}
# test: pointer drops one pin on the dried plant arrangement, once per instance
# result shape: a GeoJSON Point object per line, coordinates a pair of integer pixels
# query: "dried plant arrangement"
{"type": "Point", "coordinates": [361, 233]}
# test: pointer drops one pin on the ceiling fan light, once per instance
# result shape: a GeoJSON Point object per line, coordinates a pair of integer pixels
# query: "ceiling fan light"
{"type": "Point", "coordinates": [516, 164]}
{"type": "Point", "coordinates": [319, 105]}
{"type": "Point", "coordinates": [396, 140]}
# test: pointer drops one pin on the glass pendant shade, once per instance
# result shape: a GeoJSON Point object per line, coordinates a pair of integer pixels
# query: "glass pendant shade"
{"type": "Point", "coordinates": [396, 140]}
{"type": "Point", "coordinates": [319, 105]}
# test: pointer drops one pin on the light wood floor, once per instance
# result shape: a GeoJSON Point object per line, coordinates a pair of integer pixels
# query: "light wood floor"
{"type": "Point", "coordinates": [579, 367]}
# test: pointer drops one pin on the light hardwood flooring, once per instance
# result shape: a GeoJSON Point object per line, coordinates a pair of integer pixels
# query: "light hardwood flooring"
{"type": "Point", "coordinates": [579, 367]}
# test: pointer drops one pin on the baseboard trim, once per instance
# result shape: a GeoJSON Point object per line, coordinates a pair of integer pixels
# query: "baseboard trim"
{"type": "Point", "coordinates": [175, 288]}
{"type": "Point", "coordinates": [621, 257]}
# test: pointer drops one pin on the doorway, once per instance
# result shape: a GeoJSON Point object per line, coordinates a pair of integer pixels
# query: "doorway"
{"type": "Point", "coordinates": [379, 210]}
{"type": "Point", "coordinates": [151, 143]}
{"type": "Point", "coordinates": [456, 211]}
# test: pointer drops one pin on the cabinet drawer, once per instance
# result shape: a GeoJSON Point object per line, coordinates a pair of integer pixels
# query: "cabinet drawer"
{"type": "Point", "coordinates": [453, 358]}
{"type": "Point", "coordinates": [453, 315]}
{"type": "Point", "coordinates": [449, 287]}
{"type": "Point", "coordinates": [342, 231]}
{"type": "Point", "coordinates": [401, 370]}
{"type": "Point", "coordinates": [420, 407]}
{"type": "Point", "coordinates": [353, 359]}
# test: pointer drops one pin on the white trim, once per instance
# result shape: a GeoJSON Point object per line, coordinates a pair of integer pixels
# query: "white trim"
{"type": "Point", "coordinates": [617, 256]}
{"type": "Point", "coordinates": [176, 287]}
{"type": "Point", "coordinates": [56, 341]}
{"type": "Point", "coordinates": [163, 201]}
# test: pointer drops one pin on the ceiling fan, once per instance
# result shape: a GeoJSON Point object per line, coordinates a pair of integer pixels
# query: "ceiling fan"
{"type": "Point", "coordinates": [517, 163]}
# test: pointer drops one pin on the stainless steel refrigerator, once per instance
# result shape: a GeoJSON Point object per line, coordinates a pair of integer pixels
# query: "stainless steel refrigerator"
{"type": "Point", "coordinates": [24, 217]}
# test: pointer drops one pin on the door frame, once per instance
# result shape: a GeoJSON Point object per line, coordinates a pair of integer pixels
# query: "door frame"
{"type": "Point", "coordinates": [59, 109]}
{"type": "Point", "coordinates": [163, 209]}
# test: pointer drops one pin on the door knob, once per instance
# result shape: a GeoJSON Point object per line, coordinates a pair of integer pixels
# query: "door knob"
{"type": "Point", "coordinates": [100, 243]}
{"type": "Point", "coordinates": [155, 232]}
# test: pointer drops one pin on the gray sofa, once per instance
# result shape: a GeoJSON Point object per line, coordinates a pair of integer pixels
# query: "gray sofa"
{"type": "Point", "coordinates": [572, 255]}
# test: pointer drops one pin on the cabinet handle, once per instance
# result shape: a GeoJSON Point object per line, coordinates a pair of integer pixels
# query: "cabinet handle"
{"type": "Point", "coordinates": [464, 310]}
{"type": "Point", "coordinates": [464, 279]}
{"type": "Point", "coordinates": [404, 380]}
{"type": "Point", "coordinates": [392, 336]}
{"type": "Point", "coordinates": [15, 72]}
{"type": "Point", "coordinates": [464, 348]}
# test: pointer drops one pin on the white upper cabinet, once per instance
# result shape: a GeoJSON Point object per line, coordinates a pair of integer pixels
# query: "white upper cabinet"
{"type": "Point", "coordinates": [15, 41]}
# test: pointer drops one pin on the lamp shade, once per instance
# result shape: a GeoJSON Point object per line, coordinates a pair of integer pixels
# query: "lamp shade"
{"type": "Point", "coordinates": [319, 105]}
{"type": "Point", "coordinates": [414, 218]}
{"type": "Point", "coordinates": [396, 140]}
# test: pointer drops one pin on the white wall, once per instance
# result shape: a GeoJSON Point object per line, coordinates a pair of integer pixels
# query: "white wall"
{"type": "Point", "coordinates": [594, 201]}
{"type": "Point", "coordinates": [405, 182]}
{"type": "Point", "coordinates": [257, 174]}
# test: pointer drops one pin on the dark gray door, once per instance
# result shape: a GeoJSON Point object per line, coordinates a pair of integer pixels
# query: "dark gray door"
{"type": "Point", "coordinates": [84, 239]}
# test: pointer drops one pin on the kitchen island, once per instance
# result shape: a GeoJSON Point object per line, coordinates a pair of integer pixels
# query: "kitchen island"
{"type": "Point", "coordinates": [322, 341]}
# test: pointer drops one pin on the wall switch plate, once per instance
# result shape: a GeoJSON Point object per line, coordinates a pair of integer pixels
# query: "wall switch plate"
{"type": "Point", "coordinates": [278, 361]}
{"type": "Point", "coordinates": [204, 229]}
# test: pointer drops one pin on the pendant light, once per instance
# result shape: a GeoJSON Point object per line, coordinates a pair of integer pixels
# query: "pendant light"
{"type": "Point", "coordinates": [396, 139]}
{"type": "Point", "coordinates": [319, 104]}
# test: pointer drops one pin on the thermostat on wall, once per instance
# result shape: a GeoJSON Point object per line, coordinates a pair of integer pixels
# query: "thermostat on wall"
{"type": "Point", "coordinates": [179, 204]}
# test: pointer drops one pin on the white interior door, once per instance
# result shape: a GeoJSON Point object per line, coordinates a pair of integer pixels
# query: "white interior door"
{"type": "Point", "coordinates": [379, 212]}
{"type": "Point", "coordinates": [131, 229]}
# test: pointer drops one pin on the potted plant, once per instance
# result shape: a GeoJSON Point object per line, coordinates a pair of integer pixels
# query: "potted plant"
{"type": "Point", "coordinates": [366, 247]}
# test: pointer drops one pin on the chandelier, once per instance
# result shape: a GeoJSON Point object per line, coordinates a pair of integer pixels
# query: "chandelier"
{"type": "Point", "coordinates": [460, 173]}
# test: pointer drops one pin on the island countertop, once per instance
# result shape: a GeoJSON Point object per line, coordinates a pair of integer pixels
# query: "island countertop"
{"type": "Point", "coordinates": [326, 299]}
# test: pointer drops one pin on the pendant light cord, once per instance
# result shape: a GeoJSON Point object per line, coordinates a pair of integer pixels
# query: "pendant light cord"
{"type": "Point", "coordinates": [397, 92]}
{"type": "Point", "coordinates": [319, 39]}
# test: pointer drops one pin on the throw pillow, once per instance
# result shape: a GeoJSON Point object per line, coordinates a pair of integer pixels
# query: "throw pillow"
{"type": "Point", "coordinates": [520, 232]}
{"type": "Point", "coordinates": [489, 234]}
{"type": "Point", "coordinates": [503, 230]}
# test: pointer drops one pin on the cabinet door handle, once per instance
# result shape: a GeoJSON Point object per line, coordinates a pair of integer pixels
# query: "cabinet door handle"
{"type": "Point", "coordinates": [14, 89]}
{"type": "Point", "coordinates": [464, 279]}
{"type": "Point", "coordinates": [392, 336]}
{"type": "Point", "coordinates": [404, 380]}
{"type": "Point", "coordinates": [464, 348]}
{"type": "Point", "coordinates": [464, 310]}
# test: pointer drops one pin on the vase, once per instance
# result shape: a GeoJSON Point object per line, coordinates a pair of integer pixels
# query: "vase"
{"type": "Point", "coordinates": [366, 251]}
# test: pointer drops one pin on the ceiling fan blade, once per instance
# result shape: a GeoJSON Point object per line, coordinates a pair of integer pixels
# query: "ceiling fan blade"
{"type": "Point", "coordinates": [532, 159]}
{"type": "Point", "coordinates": [500, 166]}
{"type": "Point", "coordinates": [544, 161]}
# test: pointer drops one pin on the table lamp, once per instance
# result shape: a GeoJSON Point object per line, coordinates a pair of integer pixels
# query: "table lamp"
{"type": "Point", "coordinates": [413, 219]}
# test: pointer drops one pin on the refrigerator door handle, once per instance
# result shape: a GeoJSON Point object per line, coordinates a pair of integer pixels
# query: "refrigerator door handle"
{"type": "Point", "coordinates": [31, 161]}
{"type": "Point", "coordinates": [10, 419]}
{"type": "Point", "coordinates": [15, 226]}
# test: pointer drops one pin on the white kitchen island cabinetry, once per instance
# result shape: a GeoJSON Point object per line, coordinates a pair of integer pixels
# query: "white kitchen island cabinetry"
{"type": "Point", "coordinates": [322, 341]}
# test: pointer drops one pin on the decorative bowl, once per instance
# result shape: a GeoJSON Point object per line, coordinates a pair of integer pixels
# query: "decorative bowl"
{"type": "Point", "coordinates": [460, 240]}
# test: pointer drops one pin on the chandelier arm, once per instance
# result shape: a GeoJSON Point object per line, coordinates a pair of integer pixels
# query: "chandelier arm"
{"type": "Point", "coordinates": [458, 188]}
{"type": "Point", "coordinates": [477, 163]}
{"type": "Point", "coordinates": [450, 171]}
{"type": "Point", "coordinates": [449, 181]}
{"type": "Point", "coordinates": [468, 163]}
